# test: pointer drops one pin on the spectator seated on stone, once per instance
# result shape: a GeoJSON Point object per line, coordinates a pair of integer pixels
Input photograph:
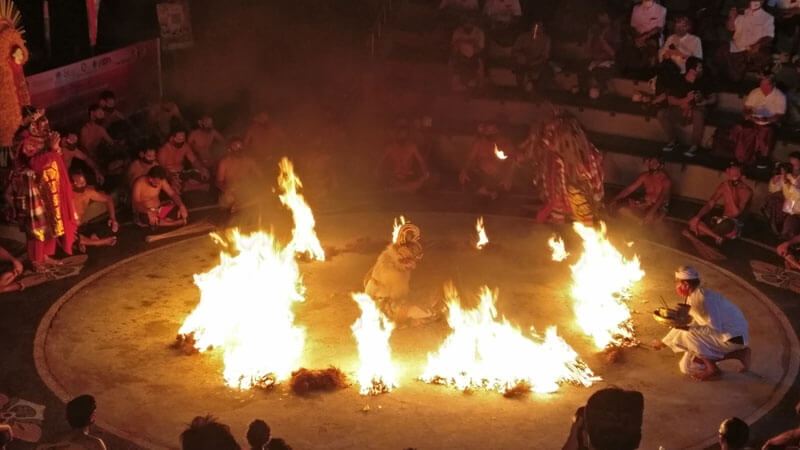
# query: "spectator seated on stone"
{"type": "Point", "coordinates": [141, 165]}
{"type": "Point", "coordinates": [791, 200]}
{"type": "Point", "coordinates": [735, 195]}
{"type": "Point", "coordinates": [76, 160]}
{"type": "Point", "coordinates": [487, 174]}
{"type": "Point", "coordinates": [750, 49]}
{"type": "Point", "coordinates": [466, 68]}
{"type": "Point", "coordinates": [469, 32]}
{"type": "Point", "coordinates": [206, 433]}
{"type": "Point", "coordinates": [611, 420]}
{"type": "Point", "coordinates": [202, 139]}
{"type": "Point", "coordinates": [688, 98]}
{"type": "Point", "coordinates": [92, 234]}
{"type": "Point", "coordinates": [173, 155]}
{"type": "Point", "coordinates": [602, 44]}
{"type": "Point", "coordinates": [640, 49]}
{"type": "Point", "coordinates": [787, 80]}
{"type": "Point", "coordinates": [772, 210]}
{"type": "Point", "coordinates": [733, 434]}
{"type": "Point", "coordinates": [764, 107]}
{"type": "Point", "coordinates": [681, 45]}
{"type": "Point", "coordinates": [531, 55]}
{"type": "Point", "coordinates": [94, 137]}
{"type": "Point", "coordinates": [108, 101]}
{"type": "Point", "coordinates": [787, 22]}
{"type": "Point", "coordinates": [652, 206]}
{"type": "Point", "coordinates": [80, 415]}
{"type": "Point", "coordinates": [402, 168]}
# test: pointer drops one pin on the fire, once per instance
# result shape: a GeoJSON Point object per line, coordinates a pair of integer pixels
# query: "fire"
{"type": "Point", "coordinates": [304, 239]}
{"type": "Point", "coordinates": [372, 330]}
{"type": "Point", "coordinates": [602, 279]}
{"type": "Point", "coordinates": [483, 351]}
{"type": "Point", "coordinates": [499, 153]}
{"type": "Point", "coordinates": [557, 244]}
{"type": "Point", "coordinates": [246, 309]}
{"type": "Point", "coordinates": [482, 239]}
{"type": "Point", "coordinates": [398, 223]}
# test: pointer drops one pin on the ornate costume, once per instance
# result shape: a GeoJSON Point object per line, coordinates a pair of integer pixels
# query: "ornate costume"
{"type": "Point", "coordinates": [14, 92]}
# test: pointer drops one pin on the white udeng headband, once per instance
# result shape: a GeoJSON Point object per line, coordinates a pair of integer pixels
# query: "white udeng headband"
{"type": "Point", "coordinates": [687, 273]}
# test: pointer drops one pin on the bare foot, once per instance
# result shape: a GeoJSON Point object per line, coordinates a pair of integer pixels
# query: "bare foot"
{"type": "Point", "coordinates": [109, 241]}
{"type": "Point", "coordinates": [657, 344]}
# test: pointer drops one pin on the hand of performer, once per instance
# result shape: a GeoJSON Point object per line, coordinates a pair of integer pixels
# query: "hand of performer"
{"type": "Point", "coordinates": [183, 213]}
{"type": "Point", "coordinates": [112, 223]}
{"type": "Point", "coordinates": [152, 218]}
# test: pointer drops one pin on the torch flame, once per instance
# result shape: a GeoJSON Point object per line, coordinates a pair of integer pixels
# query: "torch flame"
{"type": "Point", "coordinates": [398, 223]}
{"type": "Point", "coordinates": [372, 330]}
{"type": "Point", "coordinates": [557, 244]}
{"type": "Point", "coordinates": [602, 280]}
{"type": "Point", "coordinates": [483, 351]}
{"type": "Point", "coordinates": [246, 309]}
{"type": "Point", "coordinates": [499, 153]}
{"type": "Point", "coordinates": [304, 239]}
{"type": "Point", "coordinates": [482, 239]}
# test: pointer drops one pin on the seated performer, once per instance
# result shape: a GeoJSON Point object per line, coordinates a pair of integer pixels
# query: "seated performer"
{"type": "Point", "coordinates": [491, 174]}
{"type": "Point", "coordinates": [653, 206]}
{"type": "Point", "coordinates": [233, 173]}
{"type": "Point", "coordinates": [401, 167]}
{"type": "Point", "coordinates": [735, 196]}
{"type": "Point", "coordinates": [172, 155]}
{"type": "Point", "coordinates": [790, 252]}
{"type": "Point", "coordinates": [141, 165]}
{"type": "Point", "coordinates": [718, 330]}
{"type": "Point", "coordinates": [147, 206]}
{"type": "Point", "coordinates": [82, 196]}
{"type": "Point", "coordinates": [387, 282]}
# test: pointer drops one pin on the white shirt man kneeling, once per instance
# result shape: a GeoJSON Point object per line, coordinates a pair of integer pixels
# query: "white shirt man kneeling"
{"type": "Point", "coordinates": [718, 330]}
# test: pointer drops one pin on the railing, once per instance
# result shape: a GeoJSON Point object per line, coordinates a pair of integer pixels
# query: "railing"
{"type": "Point", "coordinates": [376, 32]}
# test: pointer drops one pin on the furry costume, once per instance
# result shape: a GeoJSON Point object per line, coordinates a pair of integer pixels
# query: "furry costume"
{"type": "Point", "coordinates": [14, 92]}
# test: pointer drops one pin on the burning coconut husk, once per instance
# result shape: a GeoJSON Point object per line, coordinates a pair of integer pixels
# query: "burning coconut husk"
{"type": "Point", "coordinates": [304, 381]}
{"type": "Point", "coordinates": [377, 374]}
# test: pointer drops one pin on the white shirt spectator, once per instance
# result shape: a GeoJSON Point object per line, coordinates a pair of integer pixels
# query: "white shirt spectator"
{"type": "Point", "coordinates": [502, 10]}
{"type": "Point", "coordinates": [475, 36]}
{"type": "Point", "coordinates": [646, 17]}
{"type": "Point", "coordinates": [465, 5]}
{"type": "Point", "coordinates": [688, 45]}
{"type": "Point", "coordinates": [784, 4]}
{"type": "Point", "coordinates": [750, 27]}
{"type": "Point", "coordinates": [766, 105]}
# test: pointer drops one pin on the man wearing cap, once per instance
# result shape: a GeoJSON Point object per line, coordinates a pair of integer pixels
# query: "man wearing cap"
{"type": "Point", "coordinates": [718, 330]}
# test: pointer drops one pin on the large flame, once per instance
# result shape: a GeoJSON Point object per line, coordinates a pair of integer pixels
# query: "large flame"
{"type": "Point", "coordinates": [482, 239]}
{"type": "Point", "coordinates": [372, 330]}
{"type": "Point", "coordinates": [557, 245]}
{"type": "Point", "coordinates": [246, 309]}
{"type": "Point", "coordinates": [483, 351]}
{"type": "Point", "coordinates": [304, 239]}
{"type": "Point", "coordinates": [602, 279]}
{"type": "Point", "coordinates": [398, 223]}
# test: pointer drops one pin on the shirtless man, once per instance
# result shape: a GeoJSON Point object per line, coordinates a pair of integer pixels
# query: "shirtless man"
{"type": "Point", "coordinates": [401, 167]}
{"type": "Point", "coordinates": [656, 185]}
{"type": "Point", "coordinates": [171, 156]}
{"type": "Point", "coordinates": [81, 413]}
{"type": "Point", "coordinates": [147, 205]}
{"type": "Point", "coordinates": [93, 135]}
{"type": "Point", "coordinates": [141, 165]}
{"type": "Point", "coordinates": [491, 174]}
{"type": "Point", "coordinates": [202, 138]}
{"type": "Point", "coordinates": [735, 196]}
{"type": "Point", "coordinates": [82, 196]}
{"type": "Point", "coordinates": [233, 172]}
{"type": "Point", "coordinates": [71, 152]}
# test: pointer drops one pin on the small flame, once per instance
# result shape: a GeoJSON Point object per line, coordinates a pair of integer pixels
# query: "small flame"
{"type": "Point", "coordinates": [602, 280]}
{"type": "Point", "coordinates": [246, 309]}
{"type": "Point", "coordinates": [304, 239]}
{"type": "Point", "coordinates": [482, 239]}
{"type": "Point", "coordinates": [485, 352]}
{"type": "Point", "coordinates": [398, 223]}
{"type": "Point", "coordinates": [557, 244]}
{"type": "Point", "coordinates": [372, 330]}
{"type": "Point", "coordinates": [499, 153]}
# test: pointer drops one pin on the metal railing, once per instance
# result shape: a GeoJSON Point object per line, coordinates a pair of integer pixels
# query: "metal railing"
{"type": "Point", "coordinates": [376, 32]}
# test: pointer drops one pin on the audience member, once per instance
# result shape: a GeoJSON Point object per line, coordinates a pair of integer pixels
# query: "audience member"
{"type": "Point", "coordinates": [640, 53]}
{"type": "Point", "coordinates": [531, 55]}
{"type": "Point", "coordinates": [7, 277]}
{"type": "Point", "coordinates": [94, 137]}
{"type": "Point", "coordinates": [772, 209]}
{"type": "Point", "coordinates": [791, 199]}
{"type": "Point", "coordinates": [77, 160]}
{"type": "Point", "coordinates": [502, 11]}
{"type": "Point", "coordinates": [602, 43]}
{"type": "Point", "coordinates": [278, 444]}
{"type": "Point", "coordinates": [787, 21]}
{"type": "Point", "coordinates": [735, 195]}
{"type": "Point", "coordinates": [202, 138]}
{"type": "Point", "coordinates": [81, 413]}
{"type": "Point", "coordinates": [611, 420]}
{"type": "Point", "coordinates": [733, 434]}
{"type": "Point", "coordinates": [258, 434]}
{"type": "Point", "coordinates": [172, 156]}
{"type": "Point", "coordinates": [108, 101]}
{"type": "Point", "coordinates": [653, 205]}
{"type": "Point", "coordinates": [488, 174]}
{"type": "Point", "coordinates": [89, 234]}
{"type": "Point", "coordinates": [402, 168]}
{"type": "Point", "coordinates": [783, 440]}
{"type": "Point", "coordinates": [206, 433]}
{"type": "Point", "coordinates": [148, 208]}
{"type": "Point", "coordinates": [468, 31]}
{"type": "Point", "coordinates": [681, 45]}
{"type": "Point", "coordinates": [466, 68]}
{"type": "Point", "coordinates": [750, 46]}
{"type": "Point", "coordinates": [764, 107]}
{"type": "Point", "coordinates": [235, 172]}
{"type": "Point", "coordinates": [141, 165]}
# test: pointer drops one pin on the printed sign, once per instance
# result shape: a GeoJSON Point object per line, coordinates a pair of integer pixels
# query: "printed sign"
{"type": "Point", "coordinates": [176, 25]}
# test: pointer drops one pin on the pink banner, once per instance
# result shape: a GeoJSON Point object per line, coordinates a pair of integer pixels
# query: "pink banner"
{"type": "Point", "coordinates": [133, 73]}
